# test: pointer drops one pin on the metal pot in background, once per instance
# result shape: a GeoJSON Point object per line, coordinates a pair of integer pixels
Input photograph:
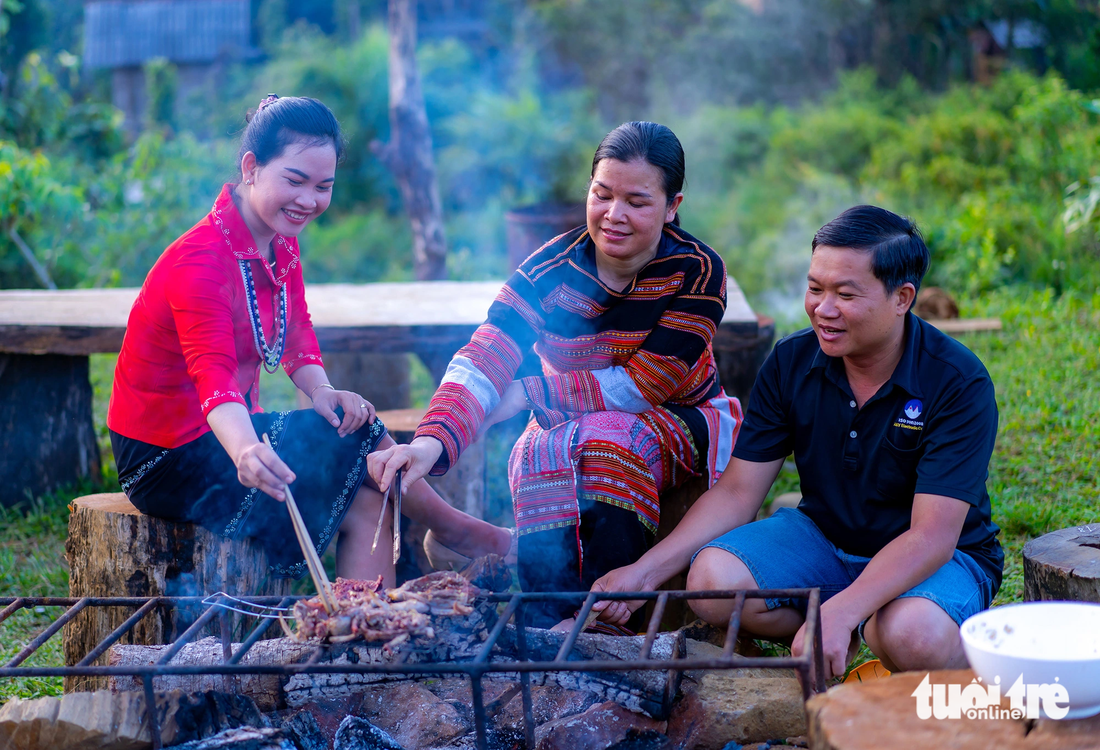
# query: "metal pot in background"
{"type": "Point", "coordinates": [530, 227]}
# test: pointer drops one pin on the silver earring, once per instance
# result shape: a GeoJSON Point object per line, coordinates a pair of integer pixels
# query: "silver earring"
{"type": "Point", "coordinates": [248, 182]}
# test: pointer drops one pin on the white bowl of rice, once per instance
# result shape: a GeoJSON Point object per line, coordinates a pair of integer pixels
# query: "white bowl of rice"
{"type": "Point", "coordinates": [1042, 642]}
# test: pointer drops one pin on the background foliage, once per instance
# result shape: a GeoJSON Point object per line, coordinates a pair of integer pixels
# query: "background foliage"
{"type": "Point", "coordinates": [788, 113]}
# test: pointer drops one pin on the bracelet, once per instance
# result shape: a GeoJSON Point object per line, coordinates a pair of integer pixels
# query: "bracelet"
{"type": "Point", "coordinates": [323, 385]}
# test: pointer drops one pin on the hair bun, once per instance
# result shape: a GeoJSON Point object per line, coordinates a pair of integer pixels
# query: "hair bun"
{"type": "Point", "coordinates": [269, 99]}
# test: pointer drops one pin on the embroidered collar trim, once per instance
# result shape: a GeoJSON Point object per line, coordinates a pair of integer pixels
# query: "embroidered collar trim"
{"type": "Point", "coordinates": [240, 243]}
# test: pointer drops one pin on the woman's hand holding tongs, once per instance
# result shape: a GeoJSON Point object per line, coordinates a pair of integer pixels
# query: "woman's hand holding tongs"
{"type": "Point", "coordinates": [415, 460]}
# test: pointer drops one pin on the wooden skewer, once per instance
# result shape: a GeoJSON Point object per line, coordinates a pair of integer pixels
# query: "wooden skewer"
{"type": "Point", "coordinates": [313, 561]}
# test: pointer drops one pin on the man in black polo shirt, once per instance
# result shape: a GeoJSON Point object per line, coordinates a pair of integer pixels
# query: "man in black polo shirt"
{"type": "Point", "coordinates": [892, 424]}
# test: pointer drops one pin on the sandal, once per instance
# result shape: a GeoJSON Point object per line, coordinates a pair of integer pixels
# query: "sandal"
{"type": "Point", "coordinates": [442, 557]}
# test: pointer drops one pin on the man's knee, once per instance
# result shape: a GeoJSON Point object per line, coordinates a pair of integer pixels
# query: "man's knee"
{"type": "Point", "coordinates": [914, 633]}
{"type": "Point", "coordinates": [715, 569]}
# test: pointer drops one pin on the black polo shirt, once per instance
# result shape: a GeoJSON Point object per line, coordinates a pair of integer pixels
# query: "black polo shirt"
{"type": "Point", "coordinates": [931, 428]}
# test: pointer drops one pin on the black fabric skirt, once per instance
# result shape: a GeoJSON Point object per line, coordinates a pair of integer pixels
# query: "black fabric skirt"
{"type": "Point", "coordinates": [197, 483]}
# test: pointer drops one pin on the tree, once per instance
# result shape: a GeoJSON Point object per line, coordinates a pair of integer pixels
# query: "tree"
{"type": "Point", "coordinates": [409, 151]}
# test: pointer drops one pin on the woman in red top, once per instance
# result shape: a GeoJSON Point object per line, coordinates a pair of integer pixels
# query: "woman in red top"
{"type": "Point", "coordinates": [223, 300]}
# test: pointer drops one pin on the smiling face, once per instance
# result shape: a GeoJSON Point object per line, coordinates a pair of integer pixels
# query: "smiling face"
{"type": "Point", "coordinates": [627, 209]}
{"type": "Point", "coordinates": [848, 307]}
{"type": "Point", "coordinates": [291, 190]}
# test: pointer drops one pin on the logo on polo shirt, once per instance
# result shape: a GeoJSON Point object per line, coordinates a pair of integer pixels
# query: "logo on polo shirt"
{"type": "Point", "coordinates": [911, 411]}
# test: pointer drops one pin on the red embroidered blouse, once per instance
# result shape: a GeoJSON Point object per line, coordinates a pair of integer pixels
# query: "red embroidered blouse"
{"type": "Point", "coordinates": [189, 345]}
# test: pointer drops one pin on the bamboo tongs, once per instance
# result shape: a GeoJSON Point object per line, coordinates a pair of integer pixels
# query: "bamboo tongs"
{"type": "Point", "coordinates": [395, 490]}
{"type": "Point", "coordinates": [313, 560]}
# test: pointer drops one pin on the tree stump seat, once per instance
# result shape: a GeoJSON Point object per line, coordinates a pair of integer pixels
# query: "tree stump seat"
{"type": "Point", "coordinates": [1063, 565]}
{"type": "Point", "coordinates": [114, 550]}
{"type": "Point", "coordinates": [883, 714]}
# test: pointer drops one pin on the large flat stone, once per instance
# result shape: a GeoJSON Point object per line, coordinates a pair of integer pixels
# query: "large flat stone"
{"type": "Point", "coordinates": [600, 727]}
{"type": "Point", "coordinates": [413, 715]}
{"type": "Point", "coordinates": [737, 705]}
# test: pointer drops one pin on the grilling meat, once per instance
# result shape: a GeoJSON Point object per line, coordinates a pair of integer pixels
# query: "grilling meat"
{"type": "Point", "coordinates": [367, 611]}
{"type": "Point", "coordinates": [444, 592]}
{"type": "Point", "coordinates": [361, 613]}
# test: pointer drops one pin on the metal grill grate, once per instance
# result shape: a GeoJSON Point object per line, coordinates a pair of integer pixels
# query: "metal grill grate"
{"type": "Point", "coordinates": [810, 663]}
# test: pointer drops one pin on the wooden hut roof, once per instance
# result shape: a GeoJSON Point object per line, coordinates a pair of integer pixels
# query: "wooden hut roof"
{"type": "Point", "coordinates": [119, 33]}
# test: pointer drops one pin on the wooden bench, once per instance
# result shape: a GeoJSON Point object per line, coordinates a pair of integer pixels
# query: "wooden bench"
{"type": "Point", "coordinates": [47, 434]}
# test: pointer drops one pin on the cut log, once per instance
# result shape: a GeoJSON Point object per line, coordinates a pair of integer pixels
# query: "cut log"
{"type": "Point", "coordinates": [882, 713]}
{"type": "Point", "coordinates": [967, 325]}
{"type": "Point", "coordinates": [1063, 565]}
{"type": "Point", "coordinates": [457, 637]}
{"type": "Point", "coordinates": [650, 692]}
{"type": "Point", "coordinates": [266, 690]}
{"type": "Point", "coordinates": [114, 550]}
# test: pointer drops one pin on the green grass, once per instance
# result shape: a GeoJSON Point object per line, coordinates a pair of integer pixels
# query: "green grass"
{"type": "Point", "coordinates": [1045, 473]}
{"type": "Point", "coordinates": [32, 563]}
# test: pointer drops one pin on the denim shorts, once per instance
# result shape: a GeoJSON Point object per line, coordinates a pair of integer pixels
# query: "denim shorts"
{"type": "Point", "coordinates": [788, 551]}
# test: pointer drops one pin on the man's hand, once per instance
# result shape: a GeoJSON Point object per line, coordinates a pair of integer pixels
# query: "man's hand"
{"type": "Point", "coordinates": [837, 634]}
{"type": "Point", "coordinates": [628, 578]}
